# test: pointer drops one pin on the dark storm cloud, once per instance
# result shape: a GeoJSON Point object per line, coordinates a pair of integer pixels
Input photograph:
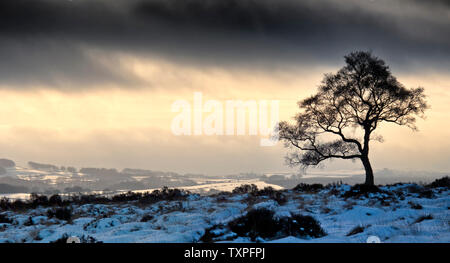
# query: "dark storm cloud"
{"type": "Point", "coordinates": [222, 32]}
{"type": "Point", "coordinates": [56, 63]}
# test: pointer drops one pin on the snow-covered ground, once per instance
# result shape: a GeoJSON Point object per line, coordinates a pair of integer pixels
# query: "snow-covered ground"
{"type": "Point", "coordinates": [404, 216]}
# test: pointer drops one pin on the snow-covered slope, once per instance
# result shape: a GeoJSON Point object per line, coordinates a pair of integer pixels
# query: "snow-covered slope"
{"type": "Point", "coordinates": [401, 214]}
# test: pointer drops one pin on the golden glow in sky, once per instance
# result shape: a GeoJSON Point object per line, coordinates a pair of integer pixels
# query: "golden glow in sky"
{"type": "Point", "coordinates": [129, 125]}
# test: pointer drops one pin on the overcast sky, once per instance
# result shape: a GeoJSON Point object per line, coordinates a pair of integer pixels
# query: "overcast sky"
{"type": "Point", "coordinates": [91, 82]}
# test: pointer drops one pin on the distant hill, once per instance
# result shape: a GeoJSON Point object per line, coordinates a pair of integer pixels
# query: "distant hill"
{"type": "Point", "coordinates": [5, 163]}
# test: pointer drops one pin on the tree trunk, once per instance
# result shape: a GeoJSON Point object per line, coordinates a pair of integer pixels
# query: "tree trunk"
{"type": "Point", "coordinates": [369, 171]}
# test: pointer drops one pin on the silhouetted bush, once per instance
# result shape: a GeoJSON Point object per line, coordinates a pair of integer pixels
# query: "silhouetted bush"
{"type": "Point", "coordinates": [421, 191]}
{"type": "Point", "coordinates": [256, 223]}
{"type": "Point", "coordinates": [362, 190]}
{"type": "Point", "coordinates": [266, 191]}
{"type": "Point", "coordinates": [60, 213]}
{"type": "Point", "coordinates": [38, 200]}
{"type": "Point", "coordinates": [279, 197]}
{"type": "Point", "coordinates": [5, 219]}
{"type": "Point", "coordinates": [312, 188]}
{"type": "Point", "coordinates": [442, 182]}
{"type": "Point", "coordinates": [413, 188]}
{"type": "Point", "coordinates": [245, 189]}
{"type": "Point", "coordinates": [5, 203]}
{"type": "Point", "coordinates": [270, 192]}
{"type": "Point", "coordinates": [55, 200]}
{"type": "Point", "coordinates": [129, 196]}
{"type": "Point", "coordinates": [19, 205]}
{"type": "Point", "coordinates": [262, 223]}
{"type": "Point", "coordinates": [208, 236]}
{"type": "Point", "coordinates": [29, 222]}
{"type": "Point", "coordinates": [165, 193]}
{"type": "Point", "coordinates": [89, 199]}
{"type": "Point", "coordinates": [307, 226]}
{"type": "Point", "coordinates": [146, 218]}
{"type": "Point", "coordinates": [216, 233]}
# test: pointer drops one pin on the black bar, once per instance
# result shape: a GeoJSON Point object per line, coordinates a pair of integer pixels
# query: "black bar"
{"type": "Point", "coordinates": [226, 252]}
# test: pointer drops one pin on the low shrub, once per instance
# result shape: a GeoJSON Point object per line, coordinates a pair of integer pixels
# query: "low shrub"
{"type": "Point", "coordinates": [245, 189]}
{"type": "Point", "coordinates": [442, 182]}
{"type": "Point", "coordinates": [5, 219]}
{"type": "Point", "coordinates": [273, 194]}
{"type": "Point", "coordinates": [146, 218]}
{"type": "Point", "coordinates": [421, 191]}
{"type": "Point", "coordinates": [165, 194]}
{"type": "Point", "coordinates": [266, 191]}
{"type": "Point", "coordinates": [279, 197]}
{"type": "Point", "coordinates": [212, 234]}
{"type": "Point", "coordinates": [7, 204]}
{"type": "Point", "coordinates": [262, 223]}
{"type": "Point", "coordinates": [304, 226]}
{"type": "Point", "coordinates": [253, 192]}
{"type": "Point", "coordinates": [361, 190]}
{"type": "Point", "coordinates": [38, 200]}
{"type": "Point", "coordinates": [89, 199]}
{"type": "Point", "coordinates": [312, 188]}
{"type": "Point", "coordinates": [60, 213]}
{"type": "Point", "coordinates": [55, 200]}
{"type": "Point", "coordinates": [29, 222]}
{"type": "Point", "coordinates": [256, 223]}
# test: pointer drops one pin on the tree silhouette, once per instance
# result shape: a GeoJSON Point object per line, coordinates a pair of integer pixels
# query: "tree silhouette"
{"type": "Point", "coordinates": [339, 121]}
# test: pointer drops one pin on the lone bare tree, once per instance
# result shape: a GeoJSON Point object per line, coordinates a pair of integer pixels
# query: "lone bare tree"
{"type": "Point", "coordinates": [338, 121]}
